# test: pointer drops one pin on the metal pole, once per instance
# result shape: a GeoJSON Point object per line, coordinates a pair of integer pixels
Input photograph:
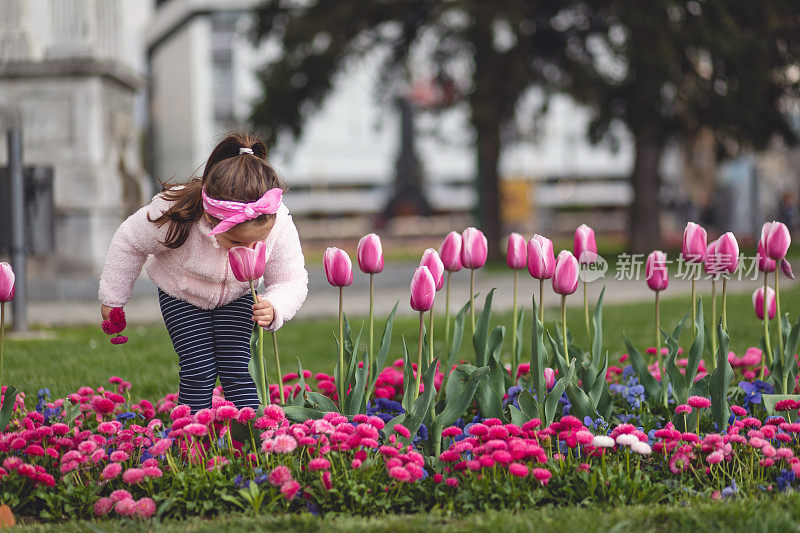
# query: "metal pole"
{"type": "Point", "coordinates": [19, 303]}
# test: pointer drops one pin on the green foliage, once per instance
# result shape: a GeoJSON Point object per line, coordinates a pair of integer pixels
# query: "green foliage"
{"type": "Point", "coordinates": [720, 380]}
{"type": "Point", "coordinates": [258, 372]}
{"type": "Point", "coordinates": [784, 365]}
{"type": "Point", "coordinates": [682, 383]}
{"type": "Point", "coordinates": [9, 399]}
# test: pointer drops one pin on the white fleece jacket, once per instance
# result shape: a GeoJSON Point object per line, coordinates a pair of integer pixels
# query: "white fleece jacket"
{"type": "Point", "coordinates": [198, 272]}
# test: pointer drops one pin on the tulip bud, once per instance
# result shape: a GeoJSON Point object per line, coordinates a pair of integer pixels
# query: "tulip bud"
{"type": "Point", "coordinates": [728, 253]}
{"type": "Point", "coordinates": [776, 239]}
{"type": "Point", "coordinates": [338, 267]}
{"type": "Point", "coordinates": [786, 268]}
{"type": "Point", "coordinates": [474, 248]}
{"type": "Point", "coordinates": [541, 261]}
{"type": "Point", "coordinates": [565, 276]}
{"type": "Point", "coordinates": [694, 243]}
{"type": "Point", "coordinates": [6, 282]}
{"type": "Point", "coordinates": [758, 303]}
{"type": "Point", "coordinates": [450, 252]}
{"type": "Point", "coordinates": [549, 377]}
{"type": "Point", "coordinates": [656, 271]}
{"type": "Point", "coordinates": [370, 254]}
{"type": "Point", "coordinates": [248, 264]}
{"type": "Point", "coordinates": [423, 289]}
{"type": "Point", "coordinates": [430, 259]}
{"type": "Point", "coordinates": [517, 255]}
{"type": "Point", "coordinates": [765, 264]}
{"type": "Point", "coordinates": [585, 249]}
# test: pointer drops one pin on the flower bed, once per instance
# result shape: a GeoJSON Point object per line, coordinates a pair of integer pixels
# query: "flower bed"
{"type": "Point", "coordinates": [106, 456]}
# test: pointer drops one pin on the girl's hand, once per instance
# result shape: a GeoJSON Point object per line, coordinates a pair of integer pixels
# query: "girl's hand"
{"type": "Point", "coordinates": [263, 312]}
{"type": "Point", "coordinates": [106, 312]}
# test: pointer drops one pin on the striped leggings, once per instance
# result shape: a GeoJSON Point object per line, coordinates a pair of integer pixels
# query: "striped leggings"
{"type": "Point", "coordinates": [211, 343]}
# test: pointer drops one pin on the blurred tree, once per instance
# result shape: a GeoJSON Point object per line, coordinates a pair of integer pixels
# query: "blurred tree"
{"type": "Point", "coordinates": [505, 46]}
{"type": "Point", "coordinates": [663, 68]}
{"type": "Point", "coordinates": [669, 68]}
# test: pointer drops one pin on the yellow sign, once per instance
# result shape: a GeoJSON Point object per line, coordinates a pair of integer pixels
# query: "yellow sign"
{"type": "Point", "coordinates": [515, 200]}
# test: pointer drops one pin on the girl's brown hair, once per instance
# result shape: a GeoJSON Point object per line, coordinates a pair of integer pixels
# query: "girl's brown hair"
{"type": "Point", "coordinates": [228, 175]}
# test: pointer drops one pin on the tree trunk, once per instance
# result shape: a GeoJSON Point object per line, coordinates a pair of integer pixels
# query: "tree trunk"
{"type": "Point", "coordinates": [486, 110]}
{"type": "Point", "coordinates": [488, 140]}
{"type": "Point", "coordinates": [644, 220]}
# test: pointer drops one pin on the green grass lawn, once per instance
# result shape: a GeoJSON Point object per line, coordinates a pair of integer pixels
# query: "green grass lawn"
{"type": "Point", "coordinates": [83, 356]}
{"type": "Point", "coordinates": [779, 513]}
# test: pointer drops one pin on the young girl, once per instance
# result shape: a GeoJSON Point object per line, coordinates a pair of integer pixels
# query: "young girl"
{"type": "Point", "coordinates": [182, 238]}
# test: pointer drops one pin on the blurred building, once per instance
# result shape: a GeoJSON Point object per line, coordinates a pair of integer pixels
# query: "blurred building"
{"type": "Point", "coordinates": [65, 66]}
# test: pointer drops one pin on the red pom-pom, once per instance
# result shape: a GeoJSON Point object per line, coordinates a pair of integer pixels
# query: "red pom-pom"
{"type": "Point", "coordinates": [117, 317]}
{"type": "Point", "coordinates": [122, 339]}
{"type": "Point", "coordinates": [109, 328]}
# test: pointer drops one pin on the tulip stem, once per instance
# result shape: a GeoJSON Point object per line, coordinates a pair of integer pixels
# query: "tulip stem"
{"type": "Point", "coordinates": [371, 367]}
{"type": "Point", "coordinates": [2, 337]}
{"type": "Point", "coordinates": [260, 362]}
{"type": "Point", "coordinates": [767, 346]}
{"type": "Point", "coordinates": [778, 315]}
{"type": "Point", "coordinates": [713, 323]}
{"type": "Point", "coordinates": [662, 367]}
{"type": "Point", "coordinates": [586, 313]}
{"type": "Point", "coordinates": [658, 328]}
{"type": "Point", "coordinates": [694, 309]}
{"type": "Point", "coordinates": [447, 314]}
{"type": "Point", "coordinates": [541, 301]}
{"type": "Point", "coordinates": [725, 303]}
{"type": "Point", "coordinates": [278, 366]}
{"type": "Point", "coordinates": [430, 336]}
{"type": "Point", "coordinates": [472, 298]}
{"type": "Point", "coordinates": [514, 329]}
{"type": "Point", "coordinates": [340, 378]}
{"type": "Point", "coordinates": [419, 353]}
{"type": "Point", "coordinates": [564, 326]}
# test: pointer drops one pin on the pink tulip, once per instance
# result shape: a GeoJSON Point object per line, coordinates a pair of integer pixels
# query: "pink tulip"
{"type": "Point", "coordinates": [565, 276]}
{"type": "Point", "coordinates": [656, 271]}
{"type": "Point", "coordinates": [541, 260]}
{"type": "Point", "coordinates": [728, 253]}
{"type": "Point", "coordinates": [585, 249]}
{"type": "Point", "coordinates": [423, 289]}
{"type": "Point", "coordinates": [776, 239]}
{"type": "Point", "coordinates": [694, 243]}
{"type": "Point", "coordinates": [430, 259]}
{"type": "Point", "coordinates": [248, 264]}
{"type": "Point", "coordinates": [338, 267]}
{"type": "Point", "coordinates": [450, 252]}
{"type": "Point", "coordinates": [549, 377]}
{"type": "Point", "coordinates": [474, 248]}
{"type": "Point", "coordinates": [6, 283]}
{"type": "Point", "coordinates": [758, 303]}
{"type": "Point", "coordinates": [516, 257]}
{"type": "Point", "coordinates": [370, 254]}
{"type": "Point", "coordinates": [765, 264]}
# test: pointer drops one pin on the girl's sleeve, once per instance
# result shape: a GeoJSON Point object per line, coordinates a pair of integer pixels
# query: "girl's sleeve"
{"type": "Point", "coordinates": [285, 278]}
{"type": "Point", "coordinates": [133, 242]}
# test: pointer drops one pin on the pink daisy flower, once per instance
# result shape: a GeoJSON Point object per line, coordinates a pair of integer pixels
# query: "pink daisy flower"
{"type": "Point", "coordinates": [319, 463]}
{"type": "Point", "coordinates": [698, 402]}
{"type": "Point", "coordinates": [111, 471]}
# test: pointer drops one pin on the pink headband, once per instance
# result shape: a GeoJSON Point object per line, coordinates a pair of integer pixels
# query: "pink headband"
{"type": "Point", "coordinates": [233, 213]}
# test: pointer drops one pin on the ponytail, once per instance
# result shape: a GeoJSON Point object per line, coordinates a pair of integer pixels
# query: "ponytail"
{"type": "Point", "coordinates": [186, 209]}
